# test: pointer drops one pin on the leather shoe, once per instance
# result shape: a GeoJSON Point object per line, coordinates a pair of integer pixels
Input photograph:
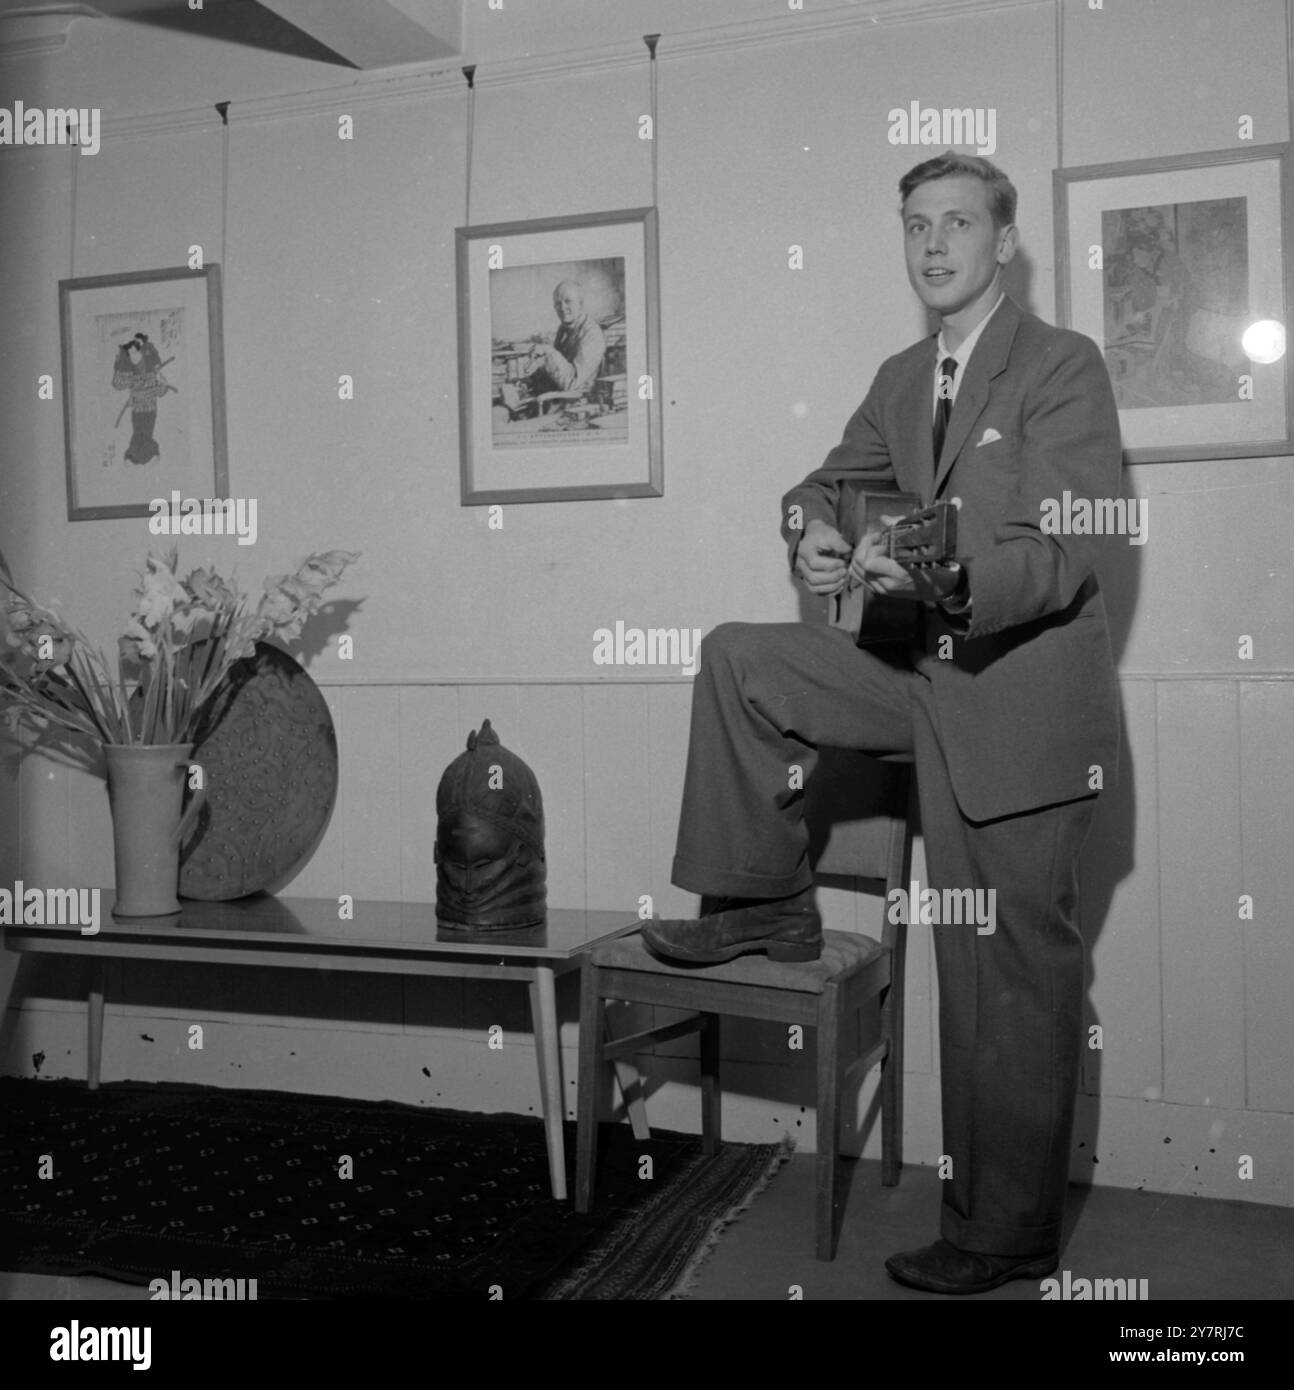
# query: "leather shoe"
{"type": "Point", "coordinates": [943, 1268]}
{"type": "Point", "coordinates": [788, 929]}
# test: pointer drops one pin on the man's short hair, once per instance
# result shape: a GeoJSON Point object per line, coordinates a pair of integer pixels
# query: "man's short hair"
{"type": "Point", "coordinates": [1001, 191]}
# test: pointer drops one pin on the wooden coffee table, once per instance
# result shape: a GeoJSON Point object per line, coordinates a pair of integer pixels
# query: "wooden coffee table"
{"type": "Point", "coordinates": [383, 937]}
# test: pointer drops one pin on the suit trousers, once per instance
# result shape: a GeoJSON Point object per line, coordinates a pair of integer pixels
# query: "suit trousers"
{"type": "Point", "coordinates": [767, 695]}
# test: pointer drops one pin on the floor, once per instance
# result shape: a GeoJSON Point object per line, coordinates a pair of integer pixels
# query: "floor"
{"type": "Point", "coordinates": [1184, 1247]}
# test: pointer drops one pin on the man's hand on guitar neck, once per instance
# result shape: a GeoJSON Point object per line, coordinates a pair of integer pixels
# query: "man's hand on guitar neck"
{"type": "Point", "coordinates": [875, 571]}
{"type": "Point", "coordinates": [825, 565]}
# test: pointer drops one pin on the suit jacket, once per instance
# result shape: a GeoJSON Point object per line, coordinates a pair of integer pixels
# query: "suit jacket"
{"type": "Point", "coordinates": [1027, 702]}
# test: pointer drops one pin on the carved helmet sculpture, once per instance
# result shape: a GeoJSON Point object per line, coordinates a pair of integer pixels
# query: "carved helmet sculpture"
{"type": "Point", "coordinates": [490, 865]}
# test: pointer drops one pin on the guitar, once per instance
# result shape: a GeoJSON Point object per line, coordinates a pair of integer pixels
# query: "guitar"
{"type": "Point", "coordinates": [912, 535]}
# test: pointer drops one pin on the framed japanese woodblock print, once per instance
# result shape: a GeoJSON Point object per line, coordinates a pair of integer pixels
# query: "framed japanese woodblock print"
{"type": "Point", "coordinates": [559, 359]}
{"type": "Point", "coordinates": [143, 390]}
{"type": "Point", "coordinates": [1177, 268]}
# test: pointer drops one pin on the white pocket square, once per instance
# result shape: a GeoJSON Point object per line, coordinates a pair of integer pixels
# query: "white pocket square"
{"type": "Point", "coordinates": [989, 436]}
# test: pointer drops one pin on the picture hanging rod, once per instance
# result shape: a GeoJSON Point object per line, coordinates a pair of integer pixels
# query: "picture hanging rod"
{"type": "Point", "coordinates": [416, 81]}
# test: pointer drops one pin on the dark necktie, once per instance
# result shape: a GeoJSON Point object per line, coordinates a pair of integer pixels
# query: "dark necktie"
{"type": "Point", "coordinates": [944, 403]}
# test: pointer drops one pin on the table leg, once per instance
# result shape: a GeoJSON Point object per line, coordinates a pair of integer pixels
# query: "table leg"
{"type": "Point", "coordinates": [94, 1027]}
{"type": "Point", "coordinates": [543, 1018]}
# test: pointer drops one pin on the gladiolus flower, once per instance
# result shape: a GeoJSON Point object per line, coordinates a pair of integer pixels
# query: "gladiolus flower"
{"type": "Point", "coordinates": [160, 594]}
{"type": "Point", "coordinates": [208, 589]}
{"type": "Point", "coordinates": [187, 637]}
{"type": "Point", "coordinates": [136, 643]}
{"type": "Point", "coordinates": [323, 570]}
{"type": "Point", "coordinates": [50, 645]}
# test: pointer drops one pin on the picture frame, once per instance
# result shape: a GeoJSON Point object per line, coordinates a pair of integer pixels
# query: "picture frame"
{"type": "Point", "coordinates": [1188, 297]}
{"type": "Point", "coordinates": [559, 359]}
{"type": "Point", "coordinates": [143, 390]}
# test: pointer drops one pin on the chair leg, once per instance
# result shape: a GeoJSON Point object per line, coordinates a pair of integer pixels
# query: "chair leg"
{"type": "Point", "coordinates": [586, 1141]}
{"type": "Point", "coordinates": [892, 1065]}
{"type": "Point", "coordinates": [711, 1095]}
{"type": "Point", "coordinates": [828, 1119]}
{"type": "Point", "coordinates": [899, 873]}
{"type": "Point", "coordinates": [631, 1085]}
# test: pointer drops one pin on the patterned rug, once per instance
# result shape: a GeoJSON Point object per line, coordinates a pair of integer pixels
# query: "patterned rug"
{"type": "Point", "coordinates": [320, 1198]}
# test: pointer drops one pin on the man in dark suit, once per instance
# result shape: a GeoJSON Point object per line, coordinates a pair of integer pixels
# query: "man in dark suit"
{"type": "Point", "coordinates": [1006, 697]}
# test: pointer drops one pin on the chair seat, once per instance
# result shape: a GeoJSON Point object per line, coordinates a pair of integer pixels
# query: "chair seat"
{"type": "Point", "coordinates": [842, 953]}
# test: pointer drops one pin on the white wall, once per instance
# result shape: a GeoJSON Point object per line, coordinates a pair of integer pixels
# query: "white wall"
{"type": "Point", "coordinates": [339, 258]}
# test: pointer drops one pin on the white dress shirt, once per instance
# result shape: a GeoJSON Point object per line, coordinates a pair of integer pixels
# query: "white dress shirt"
{"type": "Point", "coordinates": [961, 356]}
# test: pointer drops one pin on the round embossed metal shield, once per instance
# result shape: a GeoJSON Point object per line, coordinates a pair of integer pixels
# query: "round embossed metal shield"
{"type": "Point", "coordinates": [269, 761]}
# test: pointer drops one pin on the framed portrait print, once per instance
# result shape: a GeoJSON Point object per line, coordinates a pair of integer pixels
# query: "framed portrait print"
{"type": "Point", "coordinates": [559, 359]}
{"type": "Point", "coordinates": [143, 390]}
{"type": "Point", "coordinates": [1177, 268]}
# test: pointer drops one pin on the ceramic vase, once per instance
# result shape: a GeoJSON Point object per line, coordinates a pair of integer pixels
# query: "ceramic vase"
{"type": "Point", "coordinates": [146, 792]}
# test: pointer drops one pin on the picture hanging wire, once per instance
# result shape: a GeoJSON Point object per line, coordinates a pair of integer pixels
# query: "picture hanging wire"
{"type": "Point", "coordinates": [223, 108]}
{"type": "Point", "coordinates": [1060, 84]}
{"type": "Point", "coordinates": [470, 73]}
{"type": "Point", "coordinates": [651, 40]}
{"type": "Point", "coordinates": [1289, 59]}
{"type": "Point", "coordinates": [74, 150]}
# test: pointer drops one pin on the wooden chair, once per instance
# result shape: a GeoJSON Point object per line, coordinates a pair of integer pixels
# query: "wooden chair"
{"type": "Point", "coordinates": [856, 977]}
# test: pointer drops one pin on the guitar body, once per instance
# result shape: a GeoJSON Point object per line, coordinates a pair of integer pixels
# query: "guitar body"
{"type": "Point", "coordinates": [912, 535]}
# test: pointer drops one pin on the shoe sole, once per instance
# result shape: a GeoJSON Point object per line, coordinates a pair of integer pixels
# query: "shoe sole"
{"type": "Point", "coordinates": [784, 952]}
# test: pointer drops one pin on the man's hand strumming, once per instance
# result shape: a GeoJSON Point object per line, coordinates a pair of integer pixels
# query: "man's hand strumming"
{"type": "Point", "coordinates": [822, 559]}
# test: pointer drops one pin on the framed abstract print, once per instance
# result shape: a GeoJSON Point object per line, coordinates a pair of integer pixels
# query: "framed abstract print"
{"type": "Point", "coordinates": [1177, 268]}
